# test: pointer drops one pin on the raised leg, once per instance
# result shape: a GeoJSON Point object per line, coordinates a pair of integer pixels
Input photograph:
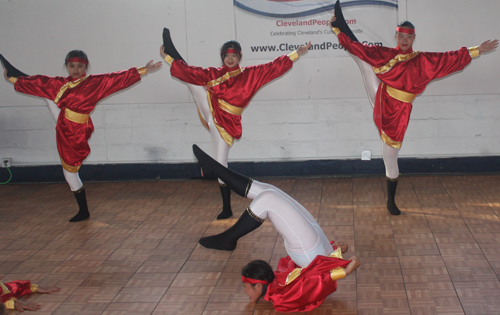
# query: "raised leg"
{"type": "Point", "coordinates": [240, 184]}
{"type": "Point", "coordinates": [168, 45]}
{"type": "Point", "coordinates": [54, 110]}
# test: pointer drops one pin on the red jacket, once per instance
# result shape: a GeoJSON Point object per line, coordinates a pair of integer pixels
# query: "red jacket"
{"type": "Point", "coordinates": [297, 289]}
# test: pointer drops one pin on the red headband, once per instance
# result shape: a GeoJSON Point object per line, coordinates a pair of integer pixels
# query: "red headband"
{"type": "Point", "coordinates": [78, 59]}
{"type": "Point", "coordinates": [405, 30]}
{"type": "Point", "coordinates": [253, 281]}
{"type": "Point", "coordinates": [233, 51]}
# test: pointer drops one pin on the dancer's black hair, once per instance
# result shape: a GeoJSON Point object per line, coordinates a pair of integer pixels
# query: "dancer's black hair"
{"type": "Point", "coordinates": [259, 270]}
{"type": "Point", "coordinates": [407, 24]}
{"type": "Point", "coordinates": [76, 54]}
{"type": "Point", "coordinates": [229, 44]}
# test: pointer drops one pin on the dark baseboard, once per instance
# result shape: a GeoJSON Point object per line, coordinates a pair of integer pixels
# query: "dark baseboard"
{"type": "Point", "coordinates": [312, 168]}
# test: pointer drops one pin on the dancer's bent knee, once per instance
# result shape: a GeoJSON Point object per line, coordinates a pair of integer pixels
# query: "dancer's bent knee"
{"type": "Point", "coordinates": [73, 180]}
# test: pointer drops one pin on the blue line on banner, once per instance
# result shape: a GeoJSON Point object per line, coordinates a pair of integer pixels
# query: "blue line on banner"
{"type": "Point", "coordinates": [314, 11]}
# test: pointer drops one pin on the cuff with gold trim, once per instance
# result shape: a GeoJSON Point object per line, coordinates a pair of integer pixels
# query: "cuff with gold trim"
{"type": "Point", "coordinates": [10, 304]}
{"type": "Point", "coordinates": [13, 79]}
{"type": "Point", "coordinates": [142, 70]}
{"type": "Point", "coordinates": [294, 55]}
{"type": "Point", "coordinates": [474, 51]}
{"type": "Point", "coordinates": [338, 273]}
{"type": "Point", "coordinates": [34, 288]}
{"type": "Point", "coordinates": [336, 30]}
{"type": "Point", "coordinates": [169, 59]}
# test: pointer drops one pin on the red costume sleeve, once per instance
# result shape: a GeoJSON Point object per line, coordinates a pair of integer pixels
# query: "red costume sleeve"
{"type": "Point", "coordinates": [267, 72]}
{"type": "Point", "coordinates": [437, 65]}
{"type": "Point", "coordinates": [411, 75]}
{"type": "Point", "coordinates": [190, 74]}
{"type": "Point", "coordinates": [376, 56]}
{"type": "Point", "coordinates": [308, 290]}
{"type": "Point", "coordinates": [109, 83]}
{"type": "Point", "coordinates": [40, 85]}
{"type": "Point", "coordinates": [261, 74]}
{"type": "Point", "coordinates": [96, 86]}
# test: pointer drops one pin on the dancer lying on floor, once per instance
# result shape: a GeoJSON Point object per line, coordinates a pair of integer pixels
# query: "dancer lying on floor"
{"type": "Point", "coordinates": [308, 274]}
{"type": "Point", "coordinates": [11, 291]}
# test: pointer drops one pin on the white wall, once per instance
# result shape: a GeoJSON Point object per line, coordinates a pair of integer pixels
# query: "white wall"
{"type": "Point", "coordinates": [318, 110]}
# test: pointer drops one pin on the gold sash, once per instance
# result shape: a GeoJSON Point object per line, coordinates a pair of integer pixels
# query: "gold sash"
{"type": "Point", "coordinates": [76, 117]}
{"type": "Point", "coordinates": [400, 95]}
{"type": "Point", "coordinates": [225, 106]}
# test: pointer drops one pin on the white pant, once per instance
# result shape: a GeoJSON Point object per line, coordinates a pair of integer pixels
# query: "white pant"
{"type": "Point", "coordinates": [73, 179]}
{"type": "Point", "coordinates": [219, 146]}
{"type": "Point", "coordinates": [304, 239]}
{"type": "Point", "coordinates": [390, 156]}
{"type": "Point", "coordinates": [372, 82]}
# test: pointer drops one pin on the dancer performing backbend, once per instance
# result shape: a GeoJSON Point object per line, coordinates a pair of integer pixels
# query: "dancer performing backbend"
{"type": "Point", "coordinates": [222, 93]}
{"type": "Point", "coordinates": [404, 74]}
{"type": "Point", "coordinates": [76, 97]}
{"type": "Point", "coordinates": [308, 274]}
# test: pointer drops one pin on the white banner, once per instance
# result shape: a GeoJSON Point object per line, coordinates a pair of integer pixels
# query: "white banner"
{"type": "Point", "coordinates": [268, 28]}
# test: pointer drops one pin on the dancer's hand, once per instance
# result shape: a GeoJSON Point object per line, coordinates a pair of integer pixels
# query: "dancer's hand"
{"type": "Point", "coordinates": [47, 290]}
{"type": "Point", "coordinates": [333, 19]}
{"type": "Point", "coordinates": [162, 52]}
{"type": "Point", "coordinates": [303, 49]}
{"type": "Point", "coordinates": [488, 45]}
{"type": "Point", "coordinates": [153, 66]}
{"type": "Point", "coordinates": [353, 265]}
{"type": "Point", "coordinates": [343, 247]}
{"type": "Point", "coordinates": [26, 306]}
{"type": "Point", "coordinates": [5, 75]}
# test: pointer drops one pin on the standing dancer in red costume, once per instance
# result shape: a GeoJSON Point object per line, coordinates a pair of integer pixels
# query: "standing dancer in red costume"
{"type": "Point", "coordinates": [404, 74]}
{"type": "Point", "coordinates": [308, 274]}
{"type": "Point", "coordinates": [222, 93]}
{"type": "Point", "coordinates": [76, 97]}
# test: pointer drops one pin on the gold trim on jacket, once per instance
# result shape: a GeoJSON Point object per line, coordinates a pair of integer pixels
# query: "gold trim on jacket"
{"type": "Point", "coordinates": [68, 85]}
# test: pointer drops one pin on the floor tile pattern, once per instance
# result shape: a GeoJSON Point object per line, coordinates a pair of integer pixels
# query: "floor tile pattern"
{"type": "Point", "coordinates": [138, 254]}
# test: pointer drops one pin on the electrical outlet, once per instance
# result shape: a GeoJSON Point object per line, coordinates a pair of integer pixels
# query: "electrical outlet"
{"type": "Point", "coordinates": [366, 155]}
{"type": "Point", "coordinates": [6, 162]}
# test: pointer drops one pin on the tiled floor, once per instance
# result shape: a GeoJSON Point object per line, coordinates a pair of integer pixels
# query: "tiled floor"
{"type": "Point", "coordinates": [138, 254]}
